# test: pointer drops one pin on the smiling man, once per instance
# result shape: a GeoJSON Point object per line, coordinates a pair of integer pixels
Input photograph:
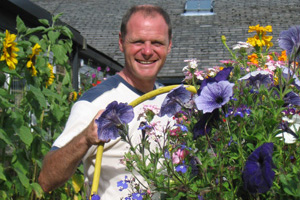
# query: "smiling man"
{"type": "Point", "coordinates": [145, 39]}
{"type": "Point", "coordinates": [145, 42]}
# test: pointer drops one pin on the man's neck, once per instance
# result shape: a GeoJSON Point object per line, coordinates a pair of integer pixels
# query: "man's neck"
{"type": "Point", "coordinates": [142, 85]}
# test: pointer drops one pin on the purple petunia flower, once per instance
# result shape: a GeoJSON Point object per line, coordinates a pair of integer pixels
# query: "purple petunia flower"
{"type": "Point", "coordinates": [214, 96]}
{"type": "Point", "coordinates": [138, 196]}
{"type": "Point", "coordinates": [174, 101]}
{"type": "Point", "coordinates": [258, 78]}
{"type": "Point", "coordinates": [113, 119]}
{"type": "Point", "coordinates": [203, 126]}
{"type": "Point", "coordinates": [289, 40]}
{"type": "Point", "coordinates": [292, 98]}
{"type": "Point", "coordinates": [95, 197]}
{"type": "Point", "coordinates": [221, 76]}
{"type": "Point", "coordinates": [181, 168]}
{"type": "Point", "coordinates": [258, 175]}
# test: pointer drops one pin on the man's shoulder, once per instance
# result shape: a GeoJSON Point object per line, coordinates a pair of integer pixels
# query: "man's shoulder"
{"type": "Point", "coordinates": [110, 83]}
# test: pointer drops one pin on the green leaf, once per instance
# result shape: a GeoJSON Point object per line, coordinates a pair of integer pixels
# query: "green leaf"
{"type": "Point", "coordinates": [25, 135]}
{"type": "Point", "coordinates": [5, 137]}
{"type": "Point", "coordinates": [2, 175]}
{"type": "Point", "coordinates": [38, 96]}
{"type": "Point", "coordinates": [22, 177]}
{"type": "Point", "coordinates": [21, 28]}
{"type": "Point", "coordinates": [56, 17]}
{"type": "Point", "coordinates": [53, 36]}
{"type": "Point", "coordinates": [34, 30]}
{"type": "Point", "coordinates": [60, 54]}
{"type": "Point", "coordinates": [67, 32]}
{"type": "Point", "coordinates": [37, 190]}
{"type": "Point", "coordinates": [45, 22]}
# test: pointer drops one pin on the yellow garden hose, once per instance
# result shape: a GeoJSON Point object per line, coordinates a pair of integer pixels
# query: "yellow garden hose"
{"type": "Point", "coordinates": [134, 103]}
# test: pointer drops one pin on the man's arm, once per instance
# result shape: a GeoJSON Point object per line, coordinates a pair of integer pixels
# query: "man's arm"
{"type": "Point", "coordinates": [59, 165]}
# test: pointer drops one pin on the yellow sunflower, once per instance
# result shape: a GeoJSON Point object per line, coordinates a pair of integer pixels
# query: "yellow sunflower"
{"type": "Point", "coordinates": [9, 49]}
{"type": "Point", "coordinates": [32, 58]}
{"type": "Point", "coordinates": [51, 77]}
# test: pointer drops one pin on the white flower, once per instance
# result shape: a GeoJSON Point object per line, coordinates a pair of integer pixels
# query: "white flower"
{"type": "Point", "coordinates": [243, 45]}
{"type": "Point", "coordinates": [289, 138]}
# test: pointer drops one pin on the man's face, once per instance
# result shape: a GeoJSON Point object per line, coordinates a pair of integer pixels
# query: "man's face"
{"type": "Point", "coordinates": [145, 46]}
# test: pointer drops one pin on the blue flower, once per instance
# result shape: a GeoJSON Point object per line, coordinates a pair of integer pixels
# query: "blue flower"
{"type": "Point", "coordinates": [174, 101]}
{"type": "Point", "coordinates": [214, 96]}
{"type": "Point", "coordinates": [289, 40]}
{"type": "Point", "coordinates": [123, 184]}
{"type": "Point", "coordinates": [113, 120]}
{"type": "Point", "coordinates": [95, 197]}
{"type": "Point", "coordinates": [181, 168]}
{"type": "Point", "coordinates": [182, 127]}
{"type": "Point", "coordinates": [138, 196]}
{"type": "Point", "coordinates": [258, 175]}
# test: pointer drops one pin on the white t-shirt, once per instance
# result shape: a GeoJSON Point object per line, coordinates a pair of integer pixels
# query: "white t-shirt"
{"type": "Point", "coordinates": [84, 110]}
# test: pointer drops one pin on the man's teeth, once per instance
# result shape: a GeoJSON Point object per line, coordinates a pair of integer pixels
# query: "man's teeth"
{"type": "Point", "coordinates": [145, 62]}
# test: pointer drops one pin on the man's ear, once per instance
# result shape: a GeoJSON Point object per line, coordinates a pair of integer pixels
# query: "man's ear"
{"type": "Point", "coordinates": [121, 42]}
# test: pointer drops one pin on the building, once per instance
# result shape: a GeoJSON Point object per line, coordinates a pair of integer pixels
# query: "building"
{"type": "Point", "coordinates": [195, 35]}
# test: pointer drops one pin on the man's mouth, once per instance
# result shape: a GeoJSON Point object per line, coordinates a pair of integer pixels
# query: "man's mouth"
{"type": "Point", "coordinates": [146, 62]}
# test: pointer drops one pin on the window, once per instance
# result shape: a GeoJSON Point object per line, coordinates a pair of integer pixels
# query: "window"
{"type": "Point", "coordinates": [198, 7]}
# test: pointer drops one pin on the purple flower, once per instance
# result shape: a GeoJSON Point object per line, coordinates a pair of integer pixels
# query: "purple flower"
{"type": "Point", "coordinates": [173, 102]}
{"type": "Point", "coordinates": [287, 73]}
{"type": "Point", "coordinates": [123, 184]}
{"type": "Point", "coordinates": [203, 126]}
{"type": "Point", "coordinates": [93, 75]}
{"type": "Point", "coordinates": [95, 197]}
{"type": "Point", "coordinates": [258, 175]}
{"type": "Point", "coordinates": [257, 78]}
{"type": "Point", "coordinates": [289, 40]}
{"type": "Point", "coordinates": [221, 76]}
{"type": "Point", "coordinates": [99, 69]}
{"type": "Point", "coordinates": [113, 120]}
{"type": "Point", "coordinates": [181, 168]}
{"type": "Point", "coordinates": [138, 196]}
{"type": "Point", "coordinates": [292, 98]}
{"type": "Point", "coordinates": [214, 95]}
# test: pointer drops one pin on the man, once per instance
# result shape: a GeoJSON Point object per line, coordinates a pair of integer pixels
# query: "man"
{"type": "Point", "coordinates": [145, 40]}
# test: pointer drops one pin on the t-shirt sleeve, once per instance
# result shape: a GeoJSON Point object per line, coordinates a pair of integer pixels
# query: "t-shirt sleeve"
{"type": "Point", "coordinates": [82, 113]}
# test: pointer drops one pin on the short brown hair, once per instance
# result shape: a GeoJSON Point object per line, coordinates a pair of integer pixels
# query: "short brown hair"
{"type": "Point", "coordinates": [148, 10]}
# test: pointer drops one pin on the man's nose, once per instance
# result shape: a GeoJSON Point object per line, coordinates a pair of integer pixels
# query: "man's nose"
{"type": "Point", "coordinates": [147, 51]}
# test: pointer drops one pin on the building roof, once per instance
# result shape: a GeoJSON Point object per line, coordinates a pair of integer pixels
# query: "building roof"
{"type": "Point", "coordinates": [193, 36]}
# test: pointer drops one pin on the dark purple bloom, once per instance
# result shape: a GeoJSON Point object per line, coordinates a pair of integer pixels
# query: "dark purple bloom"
{"type": "Point", "coordinates": [95, 197]}
{"type": "Point", "coordinates": [138, 196]}
{"type": "Point", "coordinates": [194, 163]}
{"type": "Point", "coordinates": [289, 40]}
{"type": "Point", "coordinates": [287, 73]}
{"type": "Point", "coordinates": [292, 98]}
{"type": "Point", "coordinates": [203, 126]}
{"type": "Point", "coordinates": [257, 78]}
{"type": "Point", "coordinates": [221, 76]}
{"type": "Point", "coordinates": [174, 101]}
{"type": "Point", "coordinates": [258, 175]}
{"type": "Point", "coordinates": [113, 120]}
{"type": "Point", "coordinates": [214, 95]}
{"type": "Point", "coordinates": [181, 168]}
{"type": "Point", "coordinates": [123, 184]}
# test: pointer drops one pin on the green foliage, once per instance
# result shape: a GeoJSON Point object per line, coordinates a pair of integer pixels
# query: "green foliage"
{"type": "Point", "coordinates": [33, 114]}
{"type": "Point", "coordinates": [256, 114]}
